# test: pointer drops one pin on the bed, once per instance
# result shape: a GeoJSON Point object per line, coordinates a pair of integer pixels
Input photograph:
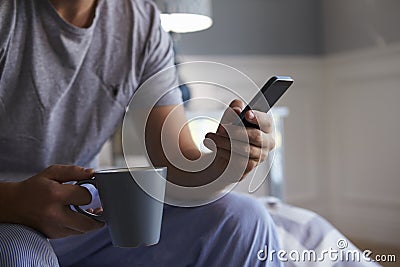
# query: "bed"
{"type": "Point", "coordinates": [307, 239]}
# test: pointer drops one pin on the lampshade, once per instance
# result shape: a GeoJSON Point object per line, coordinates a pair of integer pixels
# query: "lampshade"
{"type": "Point", "coordinates": [185, 15]}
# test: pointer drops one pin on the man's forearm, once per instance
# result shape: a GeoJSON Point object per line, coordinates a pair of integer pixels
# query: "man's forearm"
{"type": "Point", "coordinates": [204, 169]}
{"type": "Point", "coordinates": [7, 198]}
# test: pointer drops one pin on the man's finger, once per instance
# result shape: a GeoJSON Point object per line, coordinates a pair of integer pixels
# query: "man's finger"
{"type": "Point", "coordinates": [75, 195]}
{"type": "Point", "coordinates": [80, 222]}
{"type": "Point", "coordinates": [237, 103]}
{"type": "Point", "coordinates": [231, 113]}
{"type": "Point", "coordinates": [242, 148]}
{"type": "Point", "coordinates": [98, 211]}
{"type": "Point", "coordinates": [247, 135]}
{"type": "Point", "coordinates": [262, 119]}
{"type": "Point", "coordinates": [66, 173]}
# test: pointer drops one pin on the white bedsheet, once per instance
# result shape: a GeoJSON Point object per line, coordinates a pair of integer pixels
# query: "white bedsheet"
{"type": "Point", "coordinates": [307, 239]}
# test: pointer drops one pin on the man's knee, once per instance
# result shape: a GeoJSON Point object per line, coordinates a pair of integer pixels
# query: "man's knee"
{"type": "Point", "coordinates": [22, 246]}
{"type": "Point", "coordinates": [244, 217]}
{"type": "Point", "coordinates": [243, 210]}
{"type": "Point", "coordinates": [238, 225]}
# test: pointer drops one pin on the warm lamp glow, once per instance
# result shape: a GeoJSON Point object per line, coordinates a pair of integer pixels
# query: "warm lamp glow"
{"type": "Point", "coordinates": [185, 15]}
{"type": "Point", "coordinates": [183, 22]}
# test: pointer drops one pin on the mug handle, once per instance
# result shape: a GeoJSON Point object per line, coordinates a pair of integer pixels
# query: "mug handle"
{"type": "Point", "coordinates": [96, 217]}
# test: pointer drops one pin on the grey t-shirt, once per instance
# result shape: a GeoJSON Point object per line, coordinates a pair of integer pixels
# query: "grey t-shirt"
{"type": "Point", "coordinates": [63, 89]}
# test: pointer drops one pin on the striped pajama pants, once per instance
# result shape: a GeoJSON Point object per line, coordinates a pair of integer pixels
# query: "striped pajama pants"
{"type": "Point", "coordinates": [23, 247]}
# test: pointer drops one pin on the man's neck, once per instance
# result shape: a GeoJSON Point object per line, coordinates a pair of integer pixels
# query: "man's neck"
{"type": "Point", "coordinates": [77, 12]}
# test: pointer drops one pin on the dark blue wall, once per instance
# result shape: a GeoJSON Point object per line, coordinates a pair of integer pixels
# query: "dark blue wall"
{"type": "Point", "coordinates": [258, 27]}
{"type": "Point", "coordinates": [295, 27]}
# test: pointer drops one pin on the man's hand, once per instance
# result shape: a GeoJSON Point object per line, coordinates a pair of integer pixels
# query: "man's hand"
{"type": "Point", "coordinates": [250, 146]}
{"type": "Point", "coordinates": [43, 202]}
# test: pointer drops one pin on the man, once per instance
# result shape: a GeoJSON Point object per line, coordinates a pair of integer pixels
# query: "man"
{"type": "Point", "coordinates": [67, 70]}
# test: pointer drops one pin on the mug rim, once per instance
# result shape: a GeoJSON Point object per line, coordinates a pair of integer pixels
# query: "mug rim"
{"type": "Point", "coordinates": [130, 169]}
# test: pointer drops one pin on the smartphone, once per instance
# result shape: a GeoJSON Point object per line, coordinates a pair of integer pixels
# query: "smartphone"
{"type": "Point", "coordinates": [270, 93]}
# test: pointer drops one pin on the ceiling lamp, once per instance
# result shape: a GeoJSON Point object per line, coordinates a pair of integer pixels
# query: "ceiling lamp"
{"type": "Point", "coordinates": [182, 16]}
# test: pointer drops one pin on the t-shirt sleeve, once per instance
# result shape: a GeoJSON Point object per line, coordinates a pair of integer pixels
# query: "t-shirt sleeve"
{"type": "Point", "coordinates": [160, 56]}
{"type": "Point", "coordinates": [7, 19]}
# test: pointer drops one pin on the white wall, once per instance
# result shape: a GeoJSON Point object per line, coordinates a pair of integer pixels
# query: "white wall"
{"type": "Point", "coordinates": [363, 124]}
{"type": "Point", "coordinates": [363, 143]}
